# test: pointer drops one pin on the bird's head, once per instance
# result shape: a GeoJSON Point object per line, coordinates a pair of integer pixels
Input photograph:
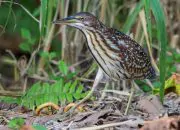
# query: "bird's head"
{"type": "Point", "coordinates": [82, 20]}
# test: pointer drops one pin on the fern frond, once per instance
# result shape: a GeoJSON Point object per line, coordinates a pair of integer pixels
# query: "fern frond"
{"type": "Point", "coordinates": [58, 93]}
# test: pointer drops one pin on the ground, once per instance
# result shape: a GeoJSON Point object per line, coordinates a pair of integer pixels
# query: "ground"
{"type": "Point", "coordinates": [146, 112]}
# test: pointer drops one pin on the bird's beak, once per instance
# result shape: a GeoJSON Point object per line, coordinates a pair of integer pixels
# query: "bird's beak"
{"type": "Point", "coordinates": [66, 21]}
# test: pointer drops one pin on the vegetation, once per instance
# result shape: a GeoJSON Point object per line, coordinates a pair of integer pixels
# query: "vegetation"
{"type": "Point", "coordinates": [55, 67]}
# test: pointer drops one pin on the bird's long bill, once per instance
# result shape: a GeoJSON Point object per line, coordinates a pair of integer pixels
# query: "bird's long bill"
{"type": "Point", "coordinates": [66, 21]}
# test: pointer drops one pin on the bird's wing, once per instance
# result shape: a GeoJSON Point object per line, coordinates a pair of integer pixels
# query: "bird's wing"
{"type": "Point", "coordinates": [133, 58]}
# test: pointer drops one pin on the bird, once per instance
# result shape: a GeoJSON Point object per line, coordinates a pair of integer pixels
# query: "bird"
{"type": "Point", "coordinates": [117, 54]}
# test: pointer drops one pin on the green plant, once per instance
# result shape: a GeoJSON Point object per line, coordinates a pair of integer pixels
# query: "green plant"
{"type": "Point", "coordinates": [29, 42]}
{"type": "Point", "coordinates": [58, 92]}
{"type": "Point", "coordinates": [65, 89]}
{"type": "Point", "coordinates": [162, 39]}
{"type": "Point", "coordinates": [16, 123]}
{"type": "Point", "coordinates": [39, 127]}
{"type": "Point", "coordinates": [155, 7]}
{"type": "Point", "coordinates": [43, 31]}
{"type": "Point", "coordinates": [171, 85]}
{"type": "Point", "coordinates": [171, 60]}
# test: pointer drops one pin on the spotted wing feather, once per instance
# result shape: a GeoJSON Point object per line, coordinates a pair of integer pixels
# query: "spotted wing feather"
{"type": "Point", "coordinates": [134, 59]}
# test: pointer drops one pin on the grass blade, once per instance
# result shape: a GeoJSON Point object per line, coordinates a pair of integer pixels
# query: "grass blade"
{"type": "Point", "coordinates": [43, 17]}
{"type": "Point", "coordinates": [132, 17]}
{"type": "Point", "coordinates": [146, 25]}
{"type": "Point", "coordinates": [147, 8]}
{"type": "Point", "coordinates": [162, 38]}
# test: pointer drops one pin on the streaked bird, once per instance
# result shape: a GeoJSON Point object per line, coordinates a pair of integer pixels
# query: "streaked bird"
{"type": "Point", "coordinates": [117, 54]}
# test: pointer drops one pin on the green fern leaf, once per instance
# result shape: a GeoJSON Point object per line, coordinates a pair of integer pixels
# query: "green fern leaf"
{"type": "Point", "coordinates": [69, 97]}
{"type": "Point", "coordinates": [73, 87]}
{"type": "Point", "coordinates": [77, 96]}
{"type": "Point", "coordinates": [66, 87]}
{"type": "Point", "coordinates": [79, 89]}
{"type": "Point", "coordinates": [58, 92]}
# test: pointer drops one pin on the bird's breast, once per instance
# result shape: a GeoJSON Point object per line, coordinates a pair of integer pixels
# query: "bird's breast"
{"type": "Point", "coordinates": [102, 51]}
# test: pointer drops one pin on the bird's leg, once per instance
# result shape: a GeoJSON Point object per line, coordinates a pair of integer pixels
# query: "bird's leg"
{"type": "Point", "coordinates": [98, 78]}
{"type": "Point", "coordinates": [130, 97]}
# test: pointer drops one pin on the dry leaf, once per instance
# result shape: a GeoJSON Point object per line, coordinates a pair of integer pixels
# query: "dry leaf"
{"type": "Point", "coordinates": [165, 123]}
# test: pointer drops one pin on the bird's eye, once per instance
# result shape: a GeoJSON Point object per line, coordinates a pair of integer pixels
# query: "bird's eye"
{"type": "Point", "coordinates": [81, 18]}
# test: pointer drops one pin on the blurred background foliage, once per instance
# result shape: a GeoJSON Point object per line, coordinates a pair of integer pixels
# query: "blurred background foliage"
{"type": "Point", "coordinates": [32, 49]}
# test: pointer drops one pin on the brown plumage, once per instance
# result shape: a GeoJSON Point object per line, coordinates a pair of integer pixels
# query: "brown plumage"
{"type": "Point", "coordinates": [119, 56]}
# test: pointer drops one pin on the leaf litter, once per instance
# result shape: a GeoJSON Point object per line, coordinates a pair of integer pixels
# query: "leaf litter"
{"type": "Point", "coordinates": [146, 112]}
